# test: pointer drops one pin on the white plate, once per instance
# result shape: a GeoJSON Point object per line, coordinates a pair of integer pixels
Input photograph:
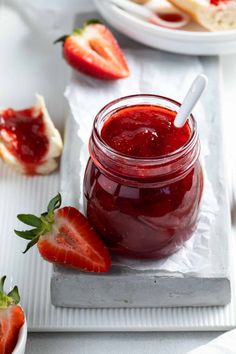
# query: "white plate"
{"type": "Point", "coordinates": [21, 343]}
{"type": "Point", "coordinates": [191, 41]}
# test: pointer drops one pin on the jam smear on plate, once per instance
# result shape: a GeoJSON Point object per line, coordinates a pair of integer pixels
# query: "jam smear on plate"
{"type": "Point", "coordinates": [170, 17]}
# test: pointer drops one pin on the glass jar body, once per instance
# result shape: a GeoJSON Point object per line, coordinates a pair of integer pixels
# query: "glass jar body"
{"type": "Point", "coordinates": [143, 222]}
{"type": "Point", "coordinates": [143, 207]}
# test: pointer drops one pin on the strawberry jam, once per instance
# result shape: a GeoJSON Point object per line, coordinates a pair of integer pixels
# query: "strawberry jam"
{"type": "Point", "coordinates": [143, 182]}
{"type": "Point", "coordinates": [144, 131]}
{"type": "Point", "coordinates": [23, 134]}
{"type": "Point", "coordinates": [170, 17]}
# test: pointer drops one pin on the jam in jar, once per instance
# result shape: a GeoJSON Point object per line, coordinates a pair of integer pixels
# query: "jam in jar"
{"type": "Point", "coordinates": [143, 182]}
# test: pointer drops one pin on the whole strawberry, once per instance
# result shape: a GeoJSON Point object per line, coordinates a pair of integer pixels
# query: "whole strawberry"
{"type": "Point", "coordinates": [12, 318]}
{"type": "Point", "coordinates": [93, 50]}
{"type": "Point", "coordinates": [64, 236]}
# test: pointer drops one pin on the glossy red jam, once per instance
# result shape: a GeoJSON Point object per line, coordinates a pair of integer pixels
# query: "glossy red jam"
{"type": "Point", "coordinates": [144, 131]}
{"type": "Point", "coordinates": [143, 182]}
{"type": "Point", "coordinates": [170, 17]}
{"type": "Point", "coordinates": [23, 134]}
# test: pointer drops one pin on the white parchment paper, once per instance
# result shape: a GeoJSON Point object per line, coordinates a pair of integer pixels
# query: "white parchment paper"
{"type": "Point", "coordinates": [151, 72]}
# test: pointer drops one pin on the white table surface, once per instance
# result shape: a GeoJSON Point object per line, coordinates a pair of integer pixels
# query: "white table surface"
{"type": "Point", "coordinates": [23, 71]}
{"type": "Point", "coordinates": [117, 343]}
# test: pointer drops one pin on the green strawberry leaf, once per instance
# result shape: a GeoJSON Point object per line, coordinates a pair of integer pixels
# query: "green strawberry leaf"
{"type": "Point", "coordinates": [61, 39]}
{"type": "Point", "coordinates": [27, 234]}
{"type": "Point", "coordinates": [78, 31]}
{"type": "Point", "coordinates": [14, 295]}
{"type": "Point", "coordinates": [43, 224]}
{"type": "Point", "coordinates": [2, 281]}
{"type": "Point", "coordinates": [30, 219]}
{"type": "Point", "coordinates": [31, 243]}
{"type": "Point", "coordinates": [92, 21]}
{"type": "Point", "coordinates": [54, 203]}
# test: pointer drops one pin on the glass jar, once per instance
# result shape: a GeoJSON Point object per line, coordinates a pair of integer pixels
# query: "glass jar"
{"type": "Point", "coordinates": [143, 207]}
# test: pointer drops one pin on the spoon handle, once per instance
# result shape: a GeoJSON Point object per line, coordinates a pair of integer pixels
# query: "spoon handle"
{"type": "Point", "coordinates": [190, 100]}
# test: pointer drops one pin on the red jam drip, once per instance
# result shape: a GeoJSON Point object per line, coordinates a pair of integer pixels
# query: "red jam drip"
{"type": "Point", "coordinates": [144, 131]}
{"type": "Point", "coordinates": [170, 17]}
{"type": "Point", "coordinates": [23, 134]}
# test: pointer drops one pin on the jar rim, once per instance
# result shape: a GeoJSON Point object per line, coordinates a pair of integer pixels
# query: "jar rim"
{"type": "Point", "coordinates": [144, 160]}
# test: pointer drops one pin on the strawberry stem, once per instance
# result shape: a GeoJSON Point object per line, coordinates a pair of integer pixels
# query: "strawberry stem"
{"type": "Point", "coordinates": [6, 300]}
{"type": "Point", "coordinates": [92, 21]}
{"type": "Point", "coordinates": [43, 224]}
{"type": "Point", "coordinates": [77, 31]}
{"type": "Point", "coordinates": [87, 23]}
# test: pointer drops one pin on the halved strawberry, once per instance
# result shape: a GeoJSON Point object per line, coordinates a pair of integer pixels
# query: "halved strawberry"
{"type": "Point", "coordinates": [93, 50]}
{"type": "Point", "coordinates": [64, 236]}
{"type": "Point", "coordinates": [11, 318]}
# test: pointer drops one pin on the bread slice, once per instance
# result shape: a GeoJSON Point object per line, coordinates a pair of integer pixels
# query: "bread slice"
{"type": "Point", "coordinates": [55, 146]}
{"type": "Point", "coordinates": [220, 17]}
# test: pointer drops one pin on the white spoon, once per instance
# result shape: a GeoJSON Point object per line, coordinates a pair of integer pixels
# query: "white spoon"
{"type": "Point", "coordinates": [150, 15]}
{"type": "Point", "coordinates": [190, 100]}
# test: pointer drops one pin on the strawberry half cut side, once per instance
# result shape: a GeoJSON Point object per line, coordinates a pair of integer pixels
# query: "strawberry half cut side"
{"type": "Point", "coordinates": [93, 50]}
{"type": "Point", "coordinates": [12, 318]}
{"type": "Point", "coordinates": [64, 236]}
